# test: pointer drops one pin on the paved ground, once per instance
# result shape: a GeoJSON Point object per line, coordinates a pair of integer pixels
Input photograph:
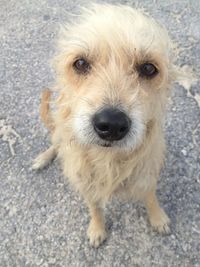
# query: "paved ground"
{"type": "Point", "coordinates": [42, 221]}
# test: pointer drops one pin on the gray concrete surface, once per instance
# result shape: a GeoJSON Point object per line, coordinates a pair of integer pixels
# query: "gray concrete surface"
{"type": "Point", "coordinates": [42, 221]}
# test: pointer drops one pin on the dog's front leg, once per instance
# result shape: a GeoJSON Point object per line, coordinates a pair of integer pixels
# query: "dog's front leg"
{"type": "Point", "coordinates": [157, 216]}
{"type": "Point", "coordinates": [96, 230]}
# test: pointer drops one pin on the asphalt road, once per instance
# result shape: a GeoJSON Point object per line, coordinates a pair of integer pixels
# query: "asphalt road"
{"type": "Point", "coordinates": [42, 221]}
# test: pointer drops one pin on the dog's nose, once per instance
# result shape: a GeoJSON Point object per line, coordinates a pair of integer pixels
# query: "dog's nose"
{"type": "Point", "coordinates": [111, 124]}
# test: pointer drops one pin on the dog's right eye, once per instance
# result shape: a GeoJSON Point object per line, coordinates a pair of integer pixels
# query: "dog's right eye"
{"type": "Point", "coordinates": [81, 66]}
{"type": "Point", "coordinates": [147, 70]}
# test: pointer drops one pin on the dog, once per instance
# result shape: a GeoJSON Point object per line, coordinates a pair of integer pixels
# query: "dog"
{"type": "Point", "coordinates": [114, 71]}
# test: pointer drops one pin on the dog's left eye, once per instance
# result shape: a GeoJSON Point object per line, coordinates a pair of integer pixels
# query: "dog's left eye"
{"type": "Point", "coordinates": [147, 70]}
{"type": "Point", "coordinates": [81, 66]}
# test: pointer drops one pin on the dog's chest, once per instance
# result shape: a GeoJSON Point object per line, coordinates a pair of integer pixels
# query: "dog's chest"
{"type": "Point", "coordinates": [96, 174]}
{"type": "Point", "coordinates": [106, 173]}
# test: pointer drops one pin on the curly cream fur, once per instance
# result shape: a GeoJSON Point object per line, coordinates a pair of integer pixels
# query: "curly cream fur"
{"type": "Point", "coordinates": [115, 40]}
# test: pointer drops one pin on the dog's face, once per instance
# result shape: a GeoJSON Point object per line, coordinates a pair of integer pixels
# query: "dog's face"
{"type": "Point", "coordinates": [114, 67]}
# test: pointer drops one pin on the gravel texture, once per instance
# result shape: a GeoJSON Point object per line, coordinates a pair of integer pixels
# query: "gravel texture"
{"type": "Point", "coordinates": [42, 221]}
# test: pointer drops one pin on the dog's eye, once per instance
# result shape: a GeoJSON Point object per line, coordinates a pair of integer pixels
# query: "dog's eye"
{"type": "Point", "coordinates": [147, 70]}
{"type": "Point", "coordinates": [81, 66]}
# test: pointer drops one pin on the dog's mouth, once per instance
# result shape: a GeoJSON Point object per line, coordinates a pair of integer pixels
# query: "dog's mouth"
{"type": "Point", "coordinates": [106, 145]}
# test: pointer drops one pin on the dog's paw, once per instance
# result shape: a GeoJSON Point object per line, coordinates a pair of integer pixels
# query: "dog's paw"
{"type": "Point", "coordinates": [44, 158]}
{"type": "Point", "coordinates": [161, 222]}
{"type": "Point", "coordinates": [96, 235]}
{"type": "Point", "coordinates": [39, 162]}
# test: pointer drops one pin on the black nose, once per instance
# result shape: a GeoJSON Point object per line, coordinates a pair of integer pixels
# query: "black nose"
{"type": "Point", "coordinates": [111, 124]}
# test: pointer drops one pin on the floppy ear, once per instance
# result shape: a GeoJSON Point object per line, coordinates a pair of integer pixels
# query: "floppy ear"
{"type": "Point", "coordinates": [45, 111]}
{"type": "Point", "coordinates": [184, 75]}
{"type": "Point", "coordinates": [174, 73]}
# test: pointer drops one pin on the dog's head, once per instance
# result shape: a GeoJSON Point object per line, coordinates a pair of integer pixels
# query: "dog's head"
{"type": "Point", "coordinates": [114, 68]}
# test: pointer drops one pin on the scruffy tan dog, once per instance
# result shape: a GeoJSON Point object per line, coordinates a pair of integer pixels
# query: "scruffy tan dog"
{"type": "Point", "coordinates": [114, 72]}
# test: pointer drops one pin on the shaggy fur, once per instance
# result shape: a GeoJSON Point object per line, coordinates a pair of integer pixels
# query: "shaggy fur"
{"type": "Point", "coordinates": [115, 40]}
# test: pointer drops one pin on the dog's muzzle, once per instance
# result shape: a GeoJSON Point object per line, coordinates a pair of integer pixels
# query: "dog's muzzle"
{"type": "Point", "coordinates": [111, 124]}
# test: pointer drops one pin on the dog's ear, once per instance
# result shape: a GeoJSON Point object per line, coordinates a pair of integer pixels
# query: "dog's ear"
{"type": "Point", "coordinates": [174, 72]}
{"type": "Point", "coordinates": [45, 111]}
{"type": "Point", "coordinates": [184, 75]}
